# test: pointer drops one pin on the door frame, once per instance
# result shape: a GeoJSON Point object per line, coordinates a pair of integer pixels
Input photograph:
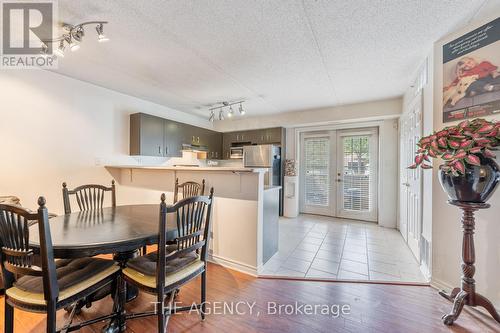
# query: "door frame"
{"type": "Point", "coordinates": [330, 210]}
{"type": "Point", "coordinates": [404, 229]}
{"type": "Point", "coordinates": [331, 127]}
{"type": "Point", "coordinates": [374, 182]}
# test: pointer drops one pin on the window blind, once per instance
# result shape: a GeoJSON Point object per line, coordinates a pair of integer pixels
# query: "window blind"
{"type": "Point", "coordinates": [317, 171]}
{"type": "Point", "coordinates": [356, 178]}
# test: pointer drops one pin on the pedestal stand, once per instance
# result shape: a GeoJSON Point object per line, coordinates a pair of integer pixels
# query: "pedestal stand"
{"type": "Point", "coordinates": [466, 294]}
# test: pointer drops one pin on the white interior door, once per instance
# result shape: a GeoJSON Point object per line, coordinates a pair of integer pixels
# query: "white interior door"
{"type": "Point", "coordinates": [403, 176]}
{"type": "Point", "coordinates": [316, 173]}
{"type": "Point", "coordinates": [411, 179]}
{"type": "Point", "coordinates": [357, 174]}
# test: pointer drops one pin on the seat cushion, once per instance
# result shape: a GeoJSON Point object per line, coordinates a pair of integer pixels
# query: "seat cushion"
{"type": "Point", "coordinates": [194, 267]}
{"type": "Point", "coordinates": [147, 264]}
{"type": "Point", "coordinates": [73, 276]}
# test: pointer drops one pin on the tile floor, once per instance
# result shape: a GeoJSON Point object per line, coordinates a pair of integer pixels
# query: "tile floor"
{"type": "Point", "coordinates": [324, 247]}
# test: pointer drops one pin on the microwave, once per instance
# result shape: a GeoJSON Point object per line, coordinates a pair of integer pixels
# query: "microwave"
{"type": "Point", "coordinates": [236, 153]}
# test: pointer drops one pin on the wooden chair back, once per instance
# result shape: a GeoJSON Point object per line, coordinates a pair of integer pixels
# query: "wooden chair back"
{"type": "Point", "coordinates": [88, 197]}
{"type": "Point", "coordinates": [16, 253]}
{"type": "Point", "coordinates": [188, 189]}
{"type": "Point", "coordinates": [193, 224]}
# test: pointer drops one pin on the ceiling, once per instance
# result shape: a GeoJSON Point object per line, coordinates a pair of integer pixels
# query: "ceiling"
{"type": "Point", "coordinates": [280, 56]}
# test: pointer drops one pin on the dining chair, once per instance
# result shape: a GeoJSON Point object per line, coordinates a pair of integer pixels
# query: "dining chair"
{"type": "Point", "coordinates": [188, 189]}
{"type": "Point", "coordinates": [14, 201]}
{"type": "Point", "coordinates": [162, 272]}
{"type": "Point", "coordinates": [51, 285]}
{"type": "Point", "coordinates": [88, 197]}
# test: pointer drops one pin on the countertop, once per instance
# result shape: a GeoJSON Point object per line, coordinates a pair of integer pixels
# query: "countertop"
{"type": "Point", "coordinates": [188, 168]}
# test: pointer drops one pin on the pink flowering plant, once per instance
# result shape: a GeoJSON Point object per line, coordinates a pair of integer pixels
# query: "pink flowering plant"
{"type": "Point", "coordinates": [459, 145]}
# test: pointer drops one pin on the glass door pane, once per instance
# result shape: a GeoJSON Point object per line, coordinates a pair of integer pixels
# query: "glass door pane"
{"type": "Point", "coordinates": [357, 176]}
{"type": "Point", "coordinates": [317, 171]}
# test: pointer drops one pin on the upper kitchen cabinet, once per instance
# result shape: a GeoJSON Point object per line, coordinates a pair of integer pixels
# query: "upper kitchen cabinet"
{"type": "Point", "coordinates": [269, 135]}
{"type": "Point", "coordinates": [173, 138]}
{"type": "Point", "coordinates": [146, 135]}
{"type": "Point", "coordinates": [214, 145]}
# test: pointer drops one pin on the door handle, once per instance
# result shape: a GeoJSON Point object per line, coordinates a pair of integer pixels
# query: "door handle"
{"type": "Point", "coordinates": [339, 180]}
{"type": "Point", "coordinates": [406, 184]}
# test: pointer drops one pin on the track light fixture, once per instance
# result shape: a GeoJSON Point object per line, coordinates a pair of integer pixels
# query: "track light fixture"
{"type": "Point", "coordinates": [225, 105]}
{"type": "Point", "coordinates": [74, 35]}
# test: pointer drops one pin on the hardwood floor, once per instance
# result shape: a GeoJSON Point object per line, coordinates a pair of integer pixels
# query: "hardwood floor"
{"type": "Point", "coordinates": [374, 308]}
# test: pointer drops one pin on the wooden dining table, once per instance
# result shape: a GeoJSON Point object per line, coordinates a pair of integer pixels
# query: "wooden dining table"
{"type": "Point", "coordinates": [120, 231]}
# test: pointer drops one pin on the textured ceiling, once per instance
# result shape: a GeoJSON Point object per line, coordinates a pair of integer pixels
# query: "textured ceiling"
{"type": "Point", "coordinates": [279, 55]}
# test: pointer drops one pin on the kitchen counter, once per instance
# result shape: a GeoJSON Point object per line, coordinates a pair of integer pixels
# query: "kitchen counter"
{"type": "Point", "coordinates": [245, 212]}
{"type": "Point", "coordinates": [188, 168]}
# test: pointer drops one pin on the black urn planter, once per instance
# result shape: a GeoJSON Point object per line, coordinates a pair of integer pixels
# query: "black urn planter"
{"type": "Point", "coordinates": [476, 185]}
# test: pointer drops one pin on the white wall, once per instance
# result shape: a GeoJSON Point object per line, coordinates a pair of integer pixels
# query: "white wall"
{"type": "Point", "coordinates": [446, 228]}
{"type": "Point", "coordinates": [54, 129]}
{"type": "Point", "coordinates": [384, 112]}
{"type": "Point", "coordinates": [389, 173]}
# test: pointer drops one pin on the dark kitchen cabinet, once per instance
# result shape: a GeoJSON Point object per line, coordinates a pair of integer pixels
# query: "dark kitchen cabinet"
{"type": "Point", "coordinates": [155, 136]}
{"type": "Point", "coordinates": [214, 145]}
{"type": "Point", "coordinates": [146, 135]}
{"type": "Point", "coordinates": [173, 138]}
{"type": "Point", "coordinates": [268, 135]}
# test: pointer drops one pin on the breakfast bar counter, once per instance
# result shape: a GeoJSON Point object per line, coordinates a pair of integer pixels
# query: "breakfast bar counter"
{"type": "Point", "coordinates": [243, 207]}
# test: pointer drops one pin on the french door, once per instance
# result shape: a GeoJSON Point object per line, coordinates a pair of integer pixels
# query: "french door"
{"type": "Point", "coordinates": [410, 219]}
{"type": "Point", "coordinates": [357, 157]}
{"type": "Point", "coordinates": [317, 151]}
{"type": "Point", "coordinates": [339, 173]}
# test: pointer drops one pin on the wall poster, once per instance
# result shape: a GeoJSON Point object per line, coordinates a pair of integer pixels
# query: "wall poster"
{"type": "Point", "coordinates": [471, 74]}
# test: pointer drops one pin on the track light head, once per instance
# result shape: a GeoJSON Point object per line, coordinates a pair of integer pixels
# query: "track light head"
{"type": "Point", "coordinates": [74, 46]}
{"type": "Point", "coordinates": [45, 50]}
{"type": "Point", "coordinates": [101, 37]}
{"type": "Point", "coordinates": [230, 112]}
{"type": "Point", "coordinates": [59, 52]}
{"type": "Point", "coordinates": [77, 33]}
{"type": "Point", "coordinates": [242, 112]}
{"type": "Point", "coordinates": [221, 114]}
{"type": "Point", "coordinates": [212, 116]}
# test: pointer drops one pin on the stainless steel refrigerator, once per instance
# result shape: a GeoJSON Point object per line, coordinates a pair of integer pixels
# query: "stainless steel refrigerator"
{"type": "Point", "coordinates": [265, 156]}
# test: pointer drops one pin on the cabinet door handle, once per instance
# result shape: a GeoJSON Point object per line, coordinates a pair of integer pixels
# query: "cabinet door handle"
{"type": "Point", "coordinates": [198, 139]}
{"type": "Point", "coordinates": [159, 150]}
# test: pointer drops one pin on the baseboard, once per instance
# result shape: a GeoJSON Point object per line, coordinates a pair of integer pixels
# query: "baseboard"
{"type": "Point", "coordinates": [232, 264]}
{"type": "Point", "coordinates": [440, 285]}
